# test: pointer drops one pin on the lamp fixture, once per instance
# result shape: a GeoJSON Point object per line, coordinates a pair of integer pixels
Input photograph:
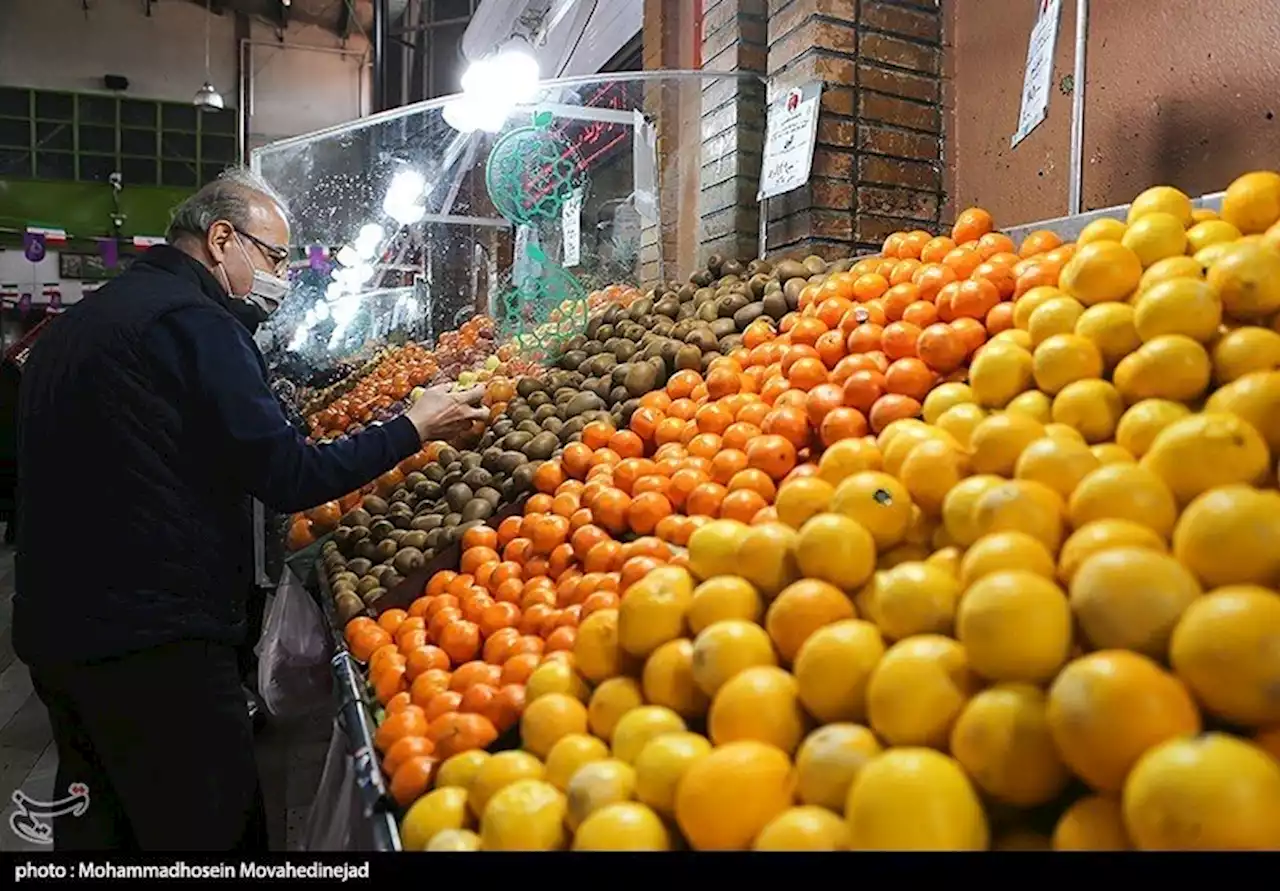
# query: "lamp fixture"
{"type": "Point", "coordinates": [207, 98]}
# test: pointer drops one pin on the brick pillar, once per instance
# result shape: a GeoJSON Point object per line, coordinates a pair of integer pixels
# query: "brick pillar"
{"type": "Point", "coordinates": [733, 40]}
{"type": "Point", "coordinates": [877, 167]}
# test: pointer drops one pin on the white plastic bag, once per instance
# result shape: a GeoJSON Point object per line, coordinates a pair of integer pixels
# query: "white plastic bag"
{"type": "Point", "coordinates": [335, 809]}
{"type": "Point", "coordinates": [294, 676]}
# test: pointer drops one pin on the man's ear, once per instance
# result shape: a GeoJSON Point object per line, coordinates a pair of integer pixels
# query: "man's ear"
{"type": "Point", "coordinates": [218, 240]}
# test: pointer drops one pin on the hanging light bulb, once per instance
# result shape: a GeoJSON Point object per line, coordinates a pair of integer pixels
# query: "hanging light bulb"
{"type": "Point", "coordinates": [207, 98]}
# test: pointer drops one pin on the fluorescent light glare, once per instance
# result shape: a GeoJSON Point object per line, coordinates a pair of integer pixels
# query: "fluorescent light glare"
{"type": "Point", "coordinates": [347, 256]}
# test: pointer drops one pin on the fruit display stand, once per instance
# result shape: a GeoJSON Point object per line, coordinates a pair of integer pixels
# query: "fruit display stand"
{"type": "Point", "coordinates": [964, 546]}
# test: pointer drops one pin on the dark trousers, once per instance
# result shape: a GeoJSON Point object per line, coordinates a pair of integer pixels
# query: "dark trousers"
{"type": "Point", "coordinates": [163, 742]}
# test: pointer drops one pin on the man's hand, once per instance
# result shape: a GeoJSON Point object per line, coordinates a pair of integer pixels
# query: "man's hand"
{"type": "Point", "coordinates": [444, 414]}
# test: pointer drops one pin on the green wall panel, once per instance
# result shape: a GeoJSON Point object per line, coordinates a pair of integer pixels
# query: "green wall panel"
{"type": "Point", "coordinates": [84, 210]}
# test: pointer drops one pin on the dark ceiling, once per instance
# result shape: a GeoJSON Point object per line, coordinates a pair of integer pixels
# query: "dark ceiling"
{"type": "Point", "coordinates": [342, 17]}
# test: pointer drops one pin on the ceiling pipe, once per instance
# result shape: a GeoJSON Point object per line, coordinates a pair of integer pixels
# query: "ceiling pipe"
{"type": "Point", "coordinates": [381, 29]}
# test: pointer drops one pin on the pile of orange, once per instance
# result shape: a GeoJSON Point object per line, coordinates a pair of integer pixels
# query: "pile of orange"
{"type": "Point", "coordinates": [451, 670]}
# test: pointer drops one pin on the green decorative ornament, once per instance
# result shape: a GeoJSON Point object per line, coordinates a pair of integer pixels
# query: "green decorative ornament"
{"type": "Point", "coordinates": [543, 309]}
{"type": "Point", "coordinates": [530, 173]}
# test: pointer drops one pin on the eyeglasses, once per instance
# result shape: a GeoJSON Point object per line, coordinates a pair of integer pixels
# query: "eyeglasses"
{"type": "Point", "coordinates": [277, 254]}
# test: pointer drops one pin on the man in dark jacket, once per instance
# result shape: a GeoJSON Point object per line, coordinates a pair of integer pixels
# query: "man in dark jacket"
{"type": "Point", "coordinates": [145, 426]}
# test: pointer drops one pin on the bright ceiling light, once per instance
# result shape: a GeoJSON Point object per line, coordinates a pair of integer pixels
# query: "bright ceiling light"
{"type": "Point", "coordinates": [208, 98]}
{"type": "Point", "coordinates": [347, 256]}
{"type": "Point", "coordinates": [321, 310]}
{"type": "Point", "coordinates": [367, 241]}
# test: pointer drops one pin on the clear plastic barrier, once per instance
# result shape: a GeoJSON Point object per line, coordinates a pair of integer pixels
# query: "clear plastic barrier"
{"type": "Point", "coordinates": [410, 222]}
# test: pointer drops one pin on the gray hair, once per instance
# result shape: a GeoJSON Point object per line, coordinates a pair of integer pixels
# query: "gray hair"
{"type": "Point", "coordinates": [226, 198]}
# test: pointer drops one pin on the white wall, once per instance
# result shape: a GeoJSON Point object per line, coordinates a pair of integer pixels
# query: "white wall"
{"type": "Point", "coordinates": [55, 44]}
{"type": "Point", "coordinates": [17, 272]}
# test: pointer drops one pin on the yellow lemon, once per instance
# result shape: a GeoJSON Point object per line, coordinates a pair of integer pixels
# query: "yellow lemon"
{"type": "Point", "coordinates": [1223, 536]}
{"type": "Point", "coordinates": [1021, 506]}
{"type": "Point", "coordinates": [1100, 271]}
{"type": "Point", "coordinates": [916, 598]}
{"type": "Point", "coordinates": [1001, 551]}
{"type": "Point", "coordinates": [803, 829]}
{"type": "Point", "coordinates": [999, 441]}
{"type": "Point", "coordinates": [767, 558]}
{"type": "Point", "coordinates": [847, 457]}
{"type": "Point", "coordinates": [1104, 535]}
{"type": "Point", "coordinates": [1124, 492]}
{"type": "Point", "coordinates": [1110, 328]}
{"type": "Point", "coordinates": [1170, 268]}
{"type": "Point", "coordinates": [833, 667]}
{"type": "Point", "coordinates": [829, 760]}
{"type": "Point", "coordinates": [1207, 450]}
{"type": "Point", "coordinates": [640, 725]}
{"type": "Point", "coordinates": [728, 797]}
{"type": "Point", "coordinates": [1252, 202]}
{"type": "Point", "coordinates": [713, 548]}
{"type": "Point", "coordinates": [724, 648]}
{"type": "Point", "coordinates": [1057, 315]}
{"type": "Point", "coordinates": [1063, 359]}
{"type": "Point", "coordinates": [1255, 397]}
{"type": "Point", "coordinates": [914, 799]}
{"type": "Point", "coordinates": [836, 549]}
{"type": "Point", "coordinates": [444, 808]}
{"type": "Point", "coordinates": [1203, 234]}
{"type": "Point", "coordinates": [1131, 599]}
{"type": "Point", "coordinates": [528, 815]}
{"type": "Point", "coordinates": [943, 397]}
{"type": "Point", "coordinates": [1243, 351]}
{"type": "Point", "coordinates": [1002, 740]}
{"type": "Point", "coordinates": [1161, 199]}
{"type": "Point", "coordinates": [1000, 372]}
{"type": "Point", "coordinates": [1030, 302]}
{"type": "Point", "coordinates": [1093, 823]}
{"type": "Point", "coordinates": [761, 704]}
{"type": "Point", "coordinates": [1155, 236]}
{"type": "Point", "coordinates": [1186, 306]}
{"type": "Point", "coordinates": [668, 679]}
{"type": "Point", "coordinates": [1102, 229]}
{"type": "Point", "coordinates": [879, 503]}
{"type": "Point", "coordinates": [918, 689]}
{"type": "Point", "coordinates": [569, 754]}
{"type": "Point", "coordinates": [1247, 278]}
{"type": "Point", "coordinates": [1140, 424]}
{"type": "Point", "coordinates": [1172, 366]}
{"type": "Point", "coordinates": [1015, 626]}
{"type": "Point", "coordinates": [609, 702]}
{"type": "Point", "coordinates": [723, 597]}
{"type": "Point", "coordinates": [1091, 407]}
{"type": "Point", "coordinates": [598, 784]}
{"type": "Point", "coordinates": [653, 612]}
{"type": "Point", "coordinates": [931, 470]}
{"type": "Point", "coordinates": [662, 763]}
{"type": "Point", "coordinates": [802, 498]}
{"type": "Point", "coordinates": [622, 826]}
{"type": "Point", "coordinates": [961, 420]}
{"type": "Point", "coordinates": [1059, 464]}
{"type": "Point", "coordinates": [1034, 404]}
{"type": "Point", "coordinates": [958, 508]}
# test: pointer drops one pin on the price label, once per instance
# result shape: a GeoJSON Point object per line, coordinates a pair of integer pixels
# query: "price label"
{"type": "Point", "coordinates": [571, 226]}
{"type": "Point", "coordinates": [790, 133]}
{"type": "Point", "coordinates": [1037, 79]}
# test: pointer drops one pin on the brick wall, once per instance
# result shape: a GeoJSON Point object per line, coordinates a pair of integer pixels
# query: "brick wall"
{"type": "Point", "coordinates": [734, 35]}
{"type": "Point", "coordinates": [877, 167]}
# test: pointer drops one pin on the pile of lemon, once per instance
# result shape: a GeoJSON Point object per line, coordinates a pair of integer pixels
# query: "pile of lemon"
{"type": "Point", "coordinates": [1045, 616]}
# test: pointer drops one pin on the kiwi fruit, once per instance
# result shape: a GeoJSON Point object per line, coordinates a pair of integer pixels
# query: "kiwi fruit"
{"type": "Point", "coordinates": [789, 269]}
{"type": "Point", "coordinates": [477, 477]}
{"type": "Point", "coordinates": [723, 328]}
{"type": "Point", "coordinates": [541, 447]}
{"type": "Point", "coordinates": [435, 538]}
{"type": "Point", "coordinates": [774, 305]}
{"type": "Point", "coordinates": [357, 517]}
{"type": "Point", "coordinates": [411, 480]}
{"type": "Point", "coordinates": [374, 505]}
{"type": "Point", "coordinates": [426, 522]}
{"type": "Point", "coordinates": [491, 495]}
{"type": "Point", "coordinates": [530, 426]}
{"type": "Point", "coordinates": [511, 461]}
{"type": "Point", "coordinates": [434, 472]}
{"type": "Point", "coordinates": [458, 495]}
{"type": "Point", "coordinates": [477, 509]}
{"type": "Point", "coordinates": [384, 550]}
{"type": "Point", "coordinates": [358, 534]}
{"type": "Point", "coordinates": [581, 404]}
{"type": "Point", "coordinates": [415, 539]}
{"type": "Point", "coordinates": [371, 599]}
{"type": "Point", "coordinates": [451, 520]}
{"type": "Point", "coordinates": [407, 560]}
{"type": "Point", "coordinates": [527, 386]}
{"type": "Point", "coordinates": [521, 478]}
{"type": "Point", "coordinates": [366, 584]}
{"type": "Point", "coordinates": [815, 264]}
{"type": "Point", "coordinates": [392, 578]}
{"type": "Point", "coordinates": [348, 576]}
{"type": "Point", "coordinates": [715, 263]}
{"type": "Point", "coordinates": [347, 606]}
{"type": "Point", "coordinates": [748, 314]}
{"type": "Point", "coordinates": [689, 356]}
{"type": "Point", "coordinates": [640, 379]}
{"type": "Point", "coordinates": [381, 529]}
{"type": "Point", "coordinates": [427, 490]}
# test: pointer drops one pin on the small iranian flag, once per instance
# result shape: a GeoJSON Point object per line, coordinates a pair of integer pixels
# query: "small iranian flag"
{"type": "Point", "coordinates": [145, 241]}
{"type": "Point", "coordinates": [51, 236]}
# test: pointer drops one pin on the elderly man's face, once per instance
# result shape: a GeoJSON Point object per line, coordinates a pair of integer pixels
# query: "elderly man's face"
{"type": "Point", "coordinates": [261, 244]}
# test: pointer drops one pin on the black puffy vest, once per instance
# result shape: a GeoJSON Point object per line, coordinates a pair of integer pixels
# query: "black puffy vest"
{"type": "Point", "coordinates": [131, 533]}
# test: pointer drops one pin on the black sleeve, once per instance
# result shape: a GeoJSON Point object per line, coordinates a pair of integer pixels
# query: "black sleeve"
{"type": "Point", "coordinates": [222, 375]}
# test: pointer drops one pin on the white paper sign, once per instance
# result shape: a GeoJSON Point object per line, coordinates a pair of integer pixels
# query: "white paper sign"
{"type": "Point", "coordinates": [571, 226]}
{"type": "Point", "coordinates": [644, 165]}
{"type": "Point", "coordinates": [790, 134]}
{"type": "Point", "coordinates": [1037, 80]}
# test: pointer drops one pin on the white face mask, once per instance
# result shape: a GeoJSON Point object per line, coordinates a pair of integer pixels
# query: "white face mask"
{"type": "Point", "coordinates": [266, 292]}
